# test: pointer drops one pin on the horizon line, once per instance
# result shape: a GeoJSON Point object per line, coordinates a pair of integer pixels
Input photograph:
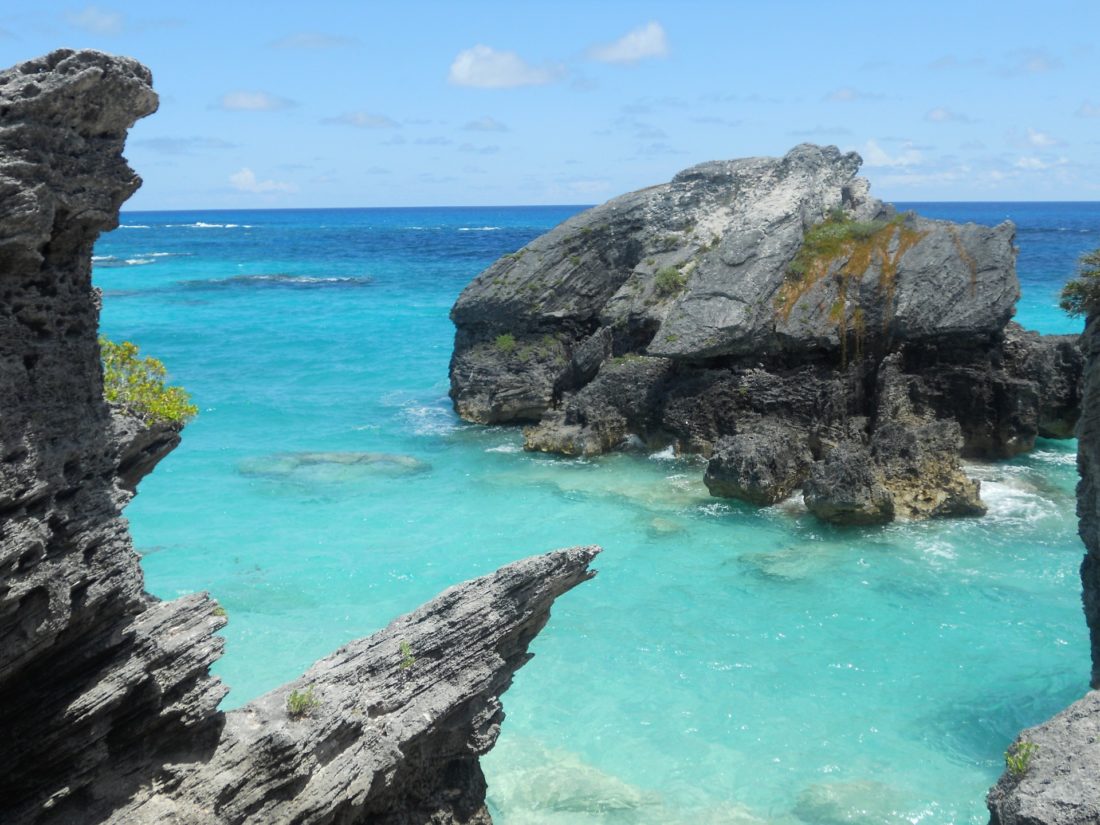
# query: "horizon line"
{"type": "Point", "coordinates": [528, 206]}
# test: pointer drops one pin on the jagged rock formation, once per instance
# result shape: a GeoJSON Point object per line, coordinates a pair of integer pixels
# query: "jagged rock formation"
{"type": "Point", "coordinates": [1061, 783]}
{"type": "Point", "coordinates": [765, 296]}
{"type": "Point", "coordinates": [106, 703]}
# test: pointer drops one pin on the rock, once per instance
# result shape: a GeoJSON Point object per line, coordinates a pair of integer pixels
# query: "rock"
{"type": "Point", "coordinates": [848, 488]}
{"type": "Point", "coordinates": [332, 466]}
{"type": "Point", "coordinates": [763, 465]}
{"type": "Point", "coordinates": [618, 403]}
{"type": "Point", "coordinates": [858, 802]}
{"type": "Point", "coordinates": [106, 698]}
{"type": "Point", "coordinates": [1060, 783]}
{"type": "Point", "coordinates": [142, 445]}
{"type": "Point", "coordinates": [921, 469]}
{"type": "Point", "coordinates": [766, 289]}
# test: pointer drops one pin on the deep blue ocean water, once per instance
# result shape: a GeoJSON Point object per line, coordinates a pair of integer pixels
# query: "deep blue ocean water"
{"type": "Point", "coordinates": [728, 665]}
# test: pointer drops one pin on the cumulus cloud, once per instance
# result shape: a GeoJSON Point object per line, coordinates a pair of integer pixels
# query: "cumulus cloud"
{"type": "Point", "coordinates": [1033, 163]}
{"type": "Point", "coordinates": [942, 114]}
{"type": "Point", "coordinates": [363, 120]}
{"type": "Point", "coordinates": [485, 124]}
{"type": "Point", "coordinates": [486, 68]}
{"type": "Point", "coordinates": [97, 20]}
{"type": "Point", "coordinates": [875, 155]}
{"type": "Point", "coordinates": [313, 40]}
{"type": "Point", "coordinates": [638, 44]}
{"type": "Point", "coordinates": [245, 181]}
{"type": "Point", "coordinates": [1089, 109]}
{"type": "Point", "coordinates": [254, 102]}
{"type": "Point", "coordinates": [847, 94]}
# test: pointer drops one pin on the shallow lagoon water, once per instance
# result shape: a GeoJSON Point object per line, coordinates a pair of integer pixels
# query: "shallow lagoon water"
{"type": "Point", "coordinates": [728, 664]}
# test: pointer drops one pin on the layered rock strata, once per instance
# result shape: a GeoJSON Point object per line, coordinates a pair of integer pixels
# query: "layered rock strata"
{"type": "Point", "coordinates": [747, 310]}
{"type": "Point", "coordinates": [107, 706]}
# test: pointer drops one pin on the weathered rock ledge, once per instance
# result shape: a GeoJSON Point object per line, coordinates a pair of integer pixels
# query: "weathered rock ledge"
{"type": "Point", "coordinates": [107, 706]}
{"type": "Point", "coordinates": [764, 311]}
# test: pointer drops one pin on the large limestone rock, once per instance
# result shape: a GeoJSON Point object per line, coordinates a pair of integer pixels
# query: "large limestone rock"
{"type": "Point", "coordinates": [107, 706]}
{"type": "Point", "coordinates": [765, 295]}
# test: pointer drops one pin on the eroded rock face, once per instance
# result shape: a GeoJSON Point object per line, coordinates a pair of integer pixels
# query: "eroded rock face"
{"type": "Point", "coordinates": [107, 706]}
{"type": "Point", "coordinates": [764, 294]}
{"type": "Point", "coordinates": [763, 465]}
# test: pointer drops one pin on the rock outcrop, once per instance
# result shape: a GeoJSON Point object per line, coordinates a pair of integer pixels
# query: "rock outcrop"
{"type": "Point", "coordinates": [765, 295]}
{"type": "Point", "coordinates": [1058, 781]}
{"type": "Point", "coordinates": [107, 706]}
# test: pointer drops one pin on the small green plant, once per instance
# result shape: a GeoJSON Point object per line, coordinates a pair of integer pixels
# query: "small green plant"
{"type": "Point", "coordinates": [1081, 296]}
{"type": "Point", "coordinates": [137, 385]}
{"type": "Point", "coordinates": [1018, 757]}
{"type": "Point", "coordinates": [575, 260]}
{"type": "Point", "coordinates": [407, 658]}
{"type": "Point", "coordinates": [219, 611]}
{"type": "Point", "coordinates": [828, 239]}
{"type": "Point", "coordinates": [668, 280]}
{"type": "Point", "coordinates": [506, 343]}
{"type": "Point", "coordinates": [301, 702]}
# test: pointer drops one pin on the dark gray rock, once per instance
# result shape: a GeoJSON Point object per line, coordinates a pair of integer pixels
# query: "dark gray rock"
{"type": "Point", "coordinates": [1088, 490]}
{"type": "Point", "coordinates": [848, 487]}
{"type": "Point", "coordinates": [107, 705]}
{"type": "Point", "coordinates": [709, 273]}
{"type": "Point", "coordinates": [1061, 783]}
{"type": "Point", "coordinates": [763, 465]}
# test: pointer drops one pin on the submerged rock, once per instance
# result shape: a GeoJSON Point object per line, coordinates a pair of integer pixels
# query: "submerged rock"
{"type": "Point", "coordinates": [107, 704]}
{"type": "Point", "coordinates": [761, 299]}
{"type": "Point", "coordinates": [332, 466]}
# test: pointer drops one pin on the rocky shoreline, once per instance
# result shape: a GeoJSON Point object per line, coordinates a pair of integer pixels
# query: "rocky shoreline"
{"type": "Point", "coordinates": [106, 701]}
{"type": "Point", "coordinates": [772, 316]}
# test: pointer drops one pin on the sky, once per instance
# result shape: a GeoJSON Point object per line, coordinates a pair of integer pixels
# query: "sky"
{"type": "Point", "coordinates": [345, 103]}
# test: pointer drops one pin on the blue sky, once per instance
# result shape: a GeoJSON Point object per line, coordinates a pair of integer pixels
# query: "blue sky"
{"type": "Point", "coordinates": [329, 103]}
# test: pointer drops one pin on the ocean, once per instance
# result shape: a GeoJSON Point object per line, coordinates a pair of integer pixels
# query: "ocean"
{"type": "Point", "coordinates": [727, 665]}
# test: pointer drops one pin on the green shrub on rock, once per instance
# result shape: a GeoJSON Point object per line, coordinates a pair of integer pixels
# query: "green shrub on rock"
{"type": "Point", "coordinates": [1081, 295]}
{"type": "Point", "coordinates": [668, 281]}
{"type": "Point", "coordinates": [137, 385]}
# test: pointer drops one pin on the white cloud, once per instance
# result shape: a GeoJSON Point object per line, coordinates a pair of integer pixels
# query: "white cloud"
{"type": "Point", "coordinates": [847, 95]}
{"type": "Point", "coordinates": [1033, 163]}
{"type": "Point", "coordinates": [97, 20]}
{"type": "Point", "coordinates": [487, 68]}
{"type": "Point", "coordinates": [1040, 139]}
{"type": "Point", "coordinates": [1089, 109]}
{"type": "Point", "coordinates": [363, 120]}
{"type": "Point", "coordinates": [1032, 61]}
{"type": "Point", "coordinates": [944, 115]}
{"type": "Point", "coordinates": [485, 124]}
{"type": "Point", "coordinates": [313, 40]}
{"type": "Point", "coordinates": [639, 44]}
{"type": "Point", "coordinates": [245, 181]}
{"type": "Point", "coordinates": [254, 102]}
{"type": "Point", "coordinates": [875, 155]}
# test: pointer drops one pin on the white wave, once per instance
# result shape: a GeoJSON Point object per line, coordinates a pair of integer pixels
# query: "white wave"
{"type": "Point", "coordinates": [505, 448]}
{"type": "Point", "coordinates": [1055, 457]}
{"type": "Point", "coordinates": [1014, 500]}
{"type": "Point", "coordinates": [714, 510]}
{"type": "Point", "coordinates": [667, 454]}
{"type": "Point", "coordinates": [133, 226]}
{"type": "Point", "coordinates": [428, 420]}
{"type": "Point", "coordinates": [168, 254]}
{"type": "Point", "coordinates": [205, 225]}
{"type": "Point", "coordinates": [478, 228]}
{"type": "Point", "coordinates": [100, 258]}
{"type": "Point", "coordinates": [139, 261]}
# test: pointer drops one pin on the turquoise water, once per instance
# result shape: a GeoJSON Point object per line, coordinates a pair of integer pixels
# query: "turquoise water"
{"type": "Point", "coordinates": [728, 665]}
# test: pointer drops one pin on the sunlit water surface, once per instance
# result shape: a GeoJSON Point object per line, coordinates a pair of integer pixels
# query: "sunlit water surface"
{"type": "Point", "coordinates": [728, 664]}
